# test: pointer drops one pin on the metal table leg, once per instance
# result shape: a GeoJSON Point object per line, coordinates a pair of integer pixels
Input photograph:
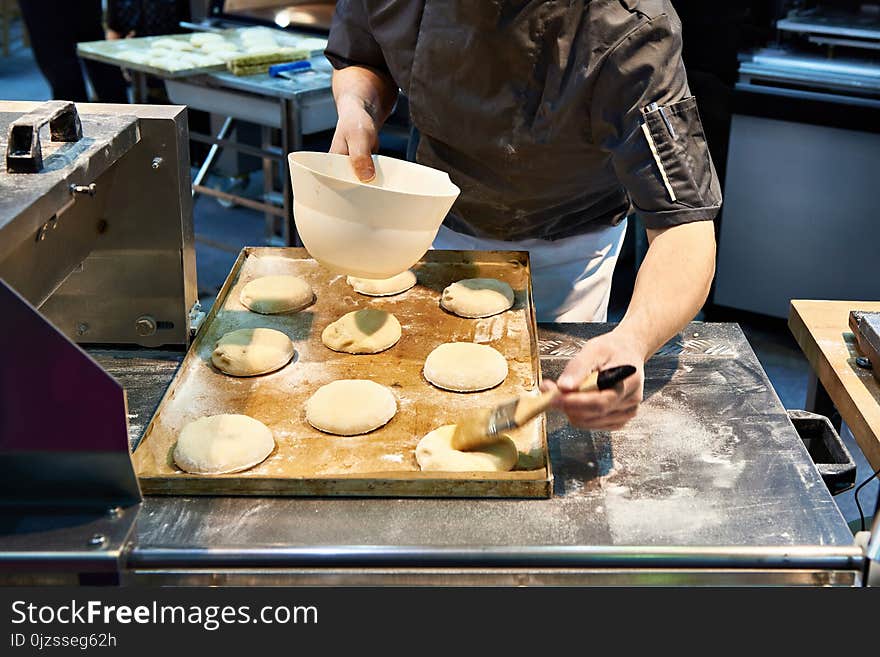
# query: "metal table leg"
{"type": "Point", "coordinates": [291, 141]}
{"type": "Point", "coordinates": [139, 91]}
{"type": "Point", "coordinates": [268, 180]}
{"type": "Point", "coordinates": [818, 401]}
{"type": "Point", "coordinates": [219, 142]}
{"type": "Point", "coordinates": [212, 155]}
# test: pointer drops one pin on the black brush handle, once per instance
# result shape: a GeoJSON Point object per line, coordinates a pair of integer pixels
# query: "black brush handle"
{"type": "Point", "coordinates": [614, 375]}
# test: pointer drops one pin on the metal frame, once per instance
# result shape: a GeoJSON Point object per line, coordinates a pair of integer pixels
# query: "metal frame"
{"type": "Point", "coordinates": [497, 577]}
{"type": "Point", "coordinates": [102, 240]}
{"type": "Point", "coordinates": [538, 556]}
{"type": "Point", "coordinates": [802, 24]}
{"type": "Point", "coordinates": [148, 236]}
{"type": "Point", "coordinates": [74, 547]}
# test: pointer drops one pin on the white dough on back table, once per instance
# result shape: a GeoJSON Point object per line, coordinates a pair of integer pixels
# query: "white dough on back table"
{"type": "Point", "coordinates": [201, 39]}
{"type": "Point", "coordinates": [171, 44]}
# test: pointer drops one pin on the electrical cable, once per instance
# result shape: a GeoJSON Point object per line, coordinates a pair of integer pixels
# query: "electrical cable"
{"type": "Point", "coordinates": [877, 506]}
{"type": "Point", "coordinates": [856, 495]}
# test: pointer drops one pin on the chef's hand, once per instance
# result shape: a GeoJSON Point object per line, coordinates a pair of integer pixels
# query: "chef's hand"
{"type": "Point", "coordinates": [606, 410]}
{"type": "Point", "coordinates": [364, 99]}
{"type": "Point", "coordinates": [357, 135]}
{"type": "Point", "coordinates": [113, 35]}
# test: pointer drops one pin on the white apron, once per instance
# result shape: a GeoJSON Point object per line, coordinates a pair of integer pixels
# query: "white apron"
{"type": "Point", "coordinates": [571, 277]}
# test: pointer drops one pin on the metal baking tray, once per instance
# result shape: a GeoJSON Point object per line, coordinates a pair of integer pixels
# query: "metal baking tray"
{"type": "Point", "coordinates": [382, 463]}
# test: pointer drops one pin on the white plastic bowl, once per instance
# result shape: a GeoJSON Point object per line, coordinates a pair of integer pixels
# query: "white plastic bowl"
{"type": "Point", "coordinates": [369, 230]}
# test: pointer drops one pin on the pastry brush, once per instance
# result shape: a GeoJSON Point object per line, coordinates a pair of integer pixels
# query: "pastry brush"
{"type": "Point", "coordinates": [485, 426]}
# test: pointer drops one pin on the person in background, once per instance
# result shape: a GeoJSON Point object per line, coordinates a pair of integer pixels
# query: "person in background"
{"type": "Point", "coordinates": [145, 18]}
{"type": "Point", "coordinates": [55, 27]}
{"type": "Point", "coordinates": [141, 18]}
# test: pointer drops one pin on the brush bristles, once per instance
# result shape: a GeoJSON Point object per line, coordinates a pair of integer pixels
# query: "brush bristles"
{"type": "Point", "coordinates": [472, 432]}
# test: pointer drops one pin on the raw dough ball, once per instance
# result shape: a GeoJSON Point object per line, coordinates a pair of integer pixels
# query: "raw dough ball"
{"type": "Point", "coordinates": [258, 40]}
{"type": "Point", "coordinates": [261, 49]}
{"type": "Point", "coordinates": [162, 61]}
{"type": "Point", "coordinates": [196, 60]}
{"type": "Point", "coordinates": [249, 352]}
{"type": "Point", "coordinates": [223, 443]}
{"type": "Point", "coordinates": [465, 367]}
{"type": "Point", "coordinates": [270, 295]}
{"type": "Point", "coordinates": [257, 35]}
{"type": "Point", "coordinates": [477, 297]}
{"type": "Point", "coordinates": [366, 331]}
{"type": "Point", "coordinates": [170, 44]}
{"type": "Point", "coordinates": [435, 452]}
{"type": "Point", "coordinates": [350, 407]}
{"type": "Point", "coordinates": [222, 49]}
{"type": "Point", "coordinates": [204, 38]}
{"type": "Point", "coordinates": [385, 287]}
{"type": "Point", "coordinates": [136, 56]}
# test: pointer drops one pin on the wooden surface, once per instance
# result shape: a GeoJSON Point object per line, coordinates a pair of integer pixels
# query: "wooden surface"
{"type": "Point", "coordinates": [822, 330]}
{"type": "Point", "coordinates": [381, 463]}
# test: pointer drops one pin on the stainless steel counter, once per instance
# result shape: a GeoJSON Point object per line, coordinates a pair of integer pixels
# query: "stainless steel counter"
{"type": "Point", "coordinates": [710, 483]}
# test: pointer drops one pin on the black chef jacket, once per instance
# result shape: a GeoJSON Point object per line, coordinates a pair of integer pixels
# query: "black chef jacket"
{"type": "Point", "coordinates": [554, 117]}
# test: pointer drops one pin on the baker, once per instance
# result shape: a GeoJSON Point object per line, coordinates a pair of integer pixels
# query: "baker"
{"type": "Point", "coordinates": [556, 120]}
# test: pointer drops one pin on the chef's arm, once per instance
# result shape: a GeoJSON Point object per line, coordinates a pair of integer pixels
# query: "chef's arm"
{"type": "Point", "coordinates": [672, 285]}
{"type": "Point", "coordinates": [644, 115]}
{"type": "Point", "coordinates": [661, 158]}
{"type": "Point", "coordinates": [364, 99]}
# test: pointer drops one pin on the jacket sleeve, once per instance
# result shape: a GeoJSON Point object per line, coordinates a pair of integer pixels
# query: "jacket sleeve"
{"type": "Point", "coordinates": [351, 41]}
{"type": "Point", "coordinates": [123, 16]}
{"type": "Point", "coordinates": [644, 116]}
